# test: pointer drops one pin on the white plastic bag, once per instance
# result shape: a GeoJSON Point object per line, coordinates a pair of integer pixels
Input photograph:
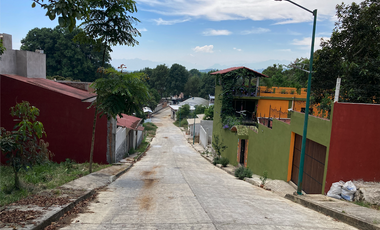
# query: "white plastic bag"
{"type": "Point", "coordinates": [348, 190]}
{"type": "Point", "coordinates": [335, 190]}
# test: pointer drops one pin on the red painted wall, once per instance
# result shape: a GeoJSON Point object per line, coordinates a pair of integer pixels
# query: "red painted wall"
{"type": "Point", "coordinates": [355, 143]}
{"type": "Point", "coordinates": [67, 121]}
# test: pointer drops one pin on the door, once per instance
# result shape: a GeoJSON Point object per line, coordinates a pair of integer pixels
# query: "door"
{"type": "Point", "coordinates": [314, 165]}
{"type": "Point", "coordinates": [242, 152]}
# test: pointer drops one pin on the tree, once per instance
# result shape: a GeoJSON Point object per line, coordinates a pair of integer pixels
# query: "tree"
{"type": "Point", "coordinates": [178, 76]}
{"type": "Point", "coordinates": [109, 24]}
{"type": "Point", "coordinates": [192, 86]}
{"type": "Point", "coordinates": [67, 11]}
{"type": "Point", "coordinates": [159, 79]}
{"type": "Point", "coordinates": [63, 56]}
{"type": "Point", "coordinates": [207, 86]}
{"type": "Point", "coordinates": [23, 147]}
{"type": "Point", "coordinates": [195, 72]}
{"type": "Point", "coordinates": [183, 112]}
{"type": "Point", "coordinates": [352, 53]}
{"type": "Point", "coordinates": [118, 93]}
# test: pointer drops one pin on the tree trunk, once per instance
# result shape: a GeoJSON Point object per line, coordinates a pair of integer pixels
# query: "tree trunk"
{"type": "Point", "coordinates": [93, 137]}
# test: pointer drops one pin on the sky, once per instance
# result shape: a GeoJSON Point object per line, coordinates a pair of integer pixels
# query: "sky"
{"type": "Point", "coordinates": [202, 34]}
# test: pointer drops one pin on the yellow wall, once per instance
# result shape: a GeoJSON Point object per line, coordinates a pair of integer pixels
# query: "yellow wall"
{"type": "Point", "coordinates": [264, 106]}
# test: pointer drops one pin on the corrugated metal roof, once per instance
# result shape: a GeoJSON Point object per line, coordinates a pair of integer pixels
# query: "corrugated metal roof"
{"type": "Point", "coordinates": [54, 86]}
{"type": "Point", "coordinates": [235, 68]}
{"type": "Point", "coordinates": [129, 122]}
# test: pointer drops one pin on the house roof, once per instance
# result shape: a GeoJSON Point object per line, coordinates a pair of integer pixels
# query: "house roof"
{"type": "Point", "coordinates": [140, 128]}
{"type": "Point", "coordinates": [53, 86]}
{"type": "Point", "coordinates": [235, 68]}
{"type": "Point", "coordinates": [129, 122]}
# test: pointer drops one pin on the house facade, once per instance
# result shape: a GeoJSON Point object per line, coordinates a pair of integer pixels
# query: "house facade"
{"type": "Point", "coordinates": [335, 149]}
{"type": "Point", "coordinates": [64, 113]}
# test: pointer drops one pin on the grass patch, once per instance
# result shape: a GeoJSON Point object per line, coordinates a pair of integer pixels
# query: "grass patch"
{"type": "Point", "coordinates": [40, 177]}
{"type": "Point", "coordinates": [150, 128]}
{"type": "Point", "coordinates": [367, 205]}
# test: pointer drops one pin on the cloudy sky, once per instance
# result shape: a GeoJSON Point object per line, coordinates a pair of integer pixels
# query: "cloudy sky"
{"type": "Point", "coordinates": [202, 34]}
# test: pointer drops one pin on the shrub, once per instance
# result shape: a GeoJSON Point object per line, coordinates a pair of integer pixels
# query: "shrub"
{"type": "Point", "coordinates": [224, 161]}
{"type": "Point", "coordinates": [183, 123]}
{"type": "Point", "coordinates": [242, 172]}
{"type": "Point", "coordinates": [264, 178]}
{"type": "Point", "coordinates": [215, 161]}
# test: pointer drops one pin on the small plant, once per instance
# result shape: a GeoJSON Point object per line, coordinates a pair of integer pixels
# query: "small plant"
{"type": "Point", "coordinates": [343, 211]}
{"type": "Point", "coordinates": [215, 161]}
{"type": "Point", "coordinates": [292, 92]}
{"type": "Point", "coordinates": [218, 146]}
{"type": "Point", "coordinates": [264, 178]}
{"type": "Point", "coordinates": [242, 172]}
{"type": "Point", "coordinates": [206, 152]}
{"type": "Point", "coordinates": [283, 91]}
{"type": "Point", "coordinates": [224, 161]}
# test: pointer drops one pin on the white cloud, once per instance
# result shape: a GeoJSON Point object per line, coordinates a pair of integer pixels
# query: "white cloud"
{"type": "Point", "coordinates": [204, 49]}
{"type": "Point", "coordinates": [305, 43]}
{"type": "Point", "coordinates": [161, 21]}
{"type": "Point", "coordinates": [218, 10]}
{"type": "Point", "coordinates": [211, 32]}
{"type": "Point", "coordinates": [237, 49]}
{"type": "Point", "coordinates": [142, 30]}
{"type": "Point", "coordinates": [255, 31]}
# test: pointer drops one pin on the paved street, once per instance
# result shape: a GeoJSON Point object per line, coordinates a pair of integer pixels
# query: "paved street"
{"type": "Point", "coordinates": [173, 187]}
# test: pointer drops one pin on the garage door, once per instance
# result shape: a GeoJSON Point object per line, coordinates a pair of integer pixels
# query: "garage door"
{"type": "Point", "coordinates": [314, 165]}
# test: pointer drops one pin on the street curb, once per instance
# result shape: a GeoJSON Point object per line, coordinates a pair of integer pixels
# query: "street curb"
{"type": "Point", "coordinates": [344, 217]}
{"type": "Point", "coordinates": [114, 177]}
{"type": "Point", "coordinates": [57, 215]}
{"type": "Point", "coordinates": [60, 213]}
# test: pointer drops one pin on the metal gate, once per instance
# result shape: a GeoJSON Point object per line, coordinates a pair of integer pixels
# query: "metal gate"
{"type": "Point", "coordinates": [314, 165]}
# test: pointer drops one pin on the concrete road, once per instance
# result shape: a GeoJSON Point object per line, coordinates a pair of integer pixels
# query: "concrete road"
{"type": "Point", "coordinates": [173, 187]}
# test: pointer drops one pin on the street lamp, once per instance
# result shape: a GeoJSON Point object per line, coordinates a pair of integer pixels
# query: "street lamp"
{"type": "Point", "coordinates": [300, 173]}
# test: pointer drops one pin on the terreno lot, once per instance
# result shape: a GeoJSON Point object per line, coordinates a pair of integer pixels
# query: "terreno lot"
{"type": "Point", "coordinates": [173, 187]}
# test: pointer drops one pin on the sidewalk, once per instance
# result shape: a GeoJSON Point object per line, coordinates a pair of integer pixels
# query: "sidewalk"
{"type": "Point", "coordinates": [73, 192]}
{"type": "Point", "coordinates": [344, 211]}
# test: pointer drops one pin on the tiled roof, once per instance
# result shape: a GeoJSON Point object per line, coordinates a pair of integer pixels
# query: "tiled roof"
{"type": "Point", "coordinates": [129, 122]}
{"type": "Point", "coordinates": [141, 128]}
{"type": "Point", "coordinates": [235, 68]}
{"type": "Point", "coordinates": [53, 86]}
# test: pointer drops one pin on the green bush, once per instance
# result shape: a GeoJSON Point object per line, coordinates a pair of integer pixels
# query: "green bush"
{"type": "Point", "coordinates": [224, 161]}
{"type": "Point", "coordinates": [183, 112]}
{"type": "Point", "coordinates": [199, 109]}
{"type": "Point", "coordinates": [209, 113]}
{"type": "Point", "coordinates": [183, 123]}
{"type": "Point", "coordinates": [216, 160]}
{"type": "Point", "coordinates": [242, 172]}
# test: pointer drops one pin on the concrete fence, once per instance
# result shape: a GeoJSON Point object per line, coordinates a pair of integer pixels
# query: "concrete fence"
{"type": "Point", "coordinates": [121, 143]}
{"type": "Point", "coordinates": [205, 133]}
{"type": "Point", "coordinates": [203, 137]}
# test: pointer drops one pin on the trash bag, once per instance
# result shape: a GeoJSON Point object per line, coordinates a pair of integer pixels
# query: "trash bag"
{"type": "Point", "coordinates": [348, 190]}
{"type": "Point", "coordinates": [335, 190]}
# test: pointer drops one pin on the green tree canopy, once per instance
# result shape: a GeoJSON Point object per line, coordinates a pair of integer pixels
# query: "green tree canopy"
{"type": "Point", "coordinates": [192, 86]}
{"type": "Point", "coordinates": [63, 56]}
{"type": "Point", "coordinates": [352, 53]}
{"type": "Point", "coordinates": [120, 93]}
{"type": "Point", "coordinates": [207, 86]}
{"type": "Point", "coordinates": [159, 79]}
{"type": "Point", "coordinates": [178, 76]}
{"type": "Point", "coordinates": [195, 72]}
